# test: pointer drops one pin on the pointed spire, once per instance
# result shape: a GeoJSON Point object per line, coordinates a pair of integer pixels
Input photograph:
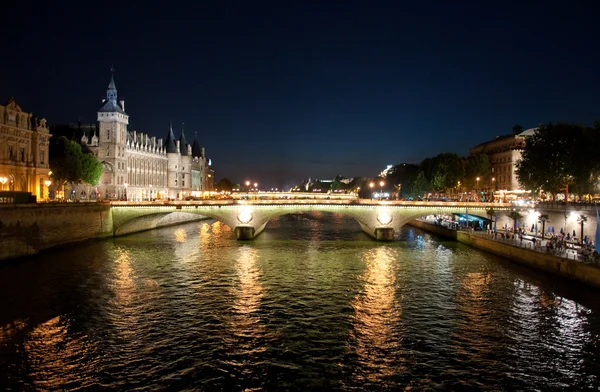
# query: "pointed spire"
{"type": "Point", "coordinates": [183, 146]}
{"type": "Point", "coordinates": [111, 85]}
{"type": "Point", "coordinates": [170, 142]}
{"type": "Point", "coordinates": [196, 149]}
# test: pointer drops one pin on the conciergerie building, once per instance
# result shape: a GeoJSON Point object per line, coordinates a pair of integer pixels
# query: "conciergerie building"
{"type": "Point", "coordinates": [139, 167]}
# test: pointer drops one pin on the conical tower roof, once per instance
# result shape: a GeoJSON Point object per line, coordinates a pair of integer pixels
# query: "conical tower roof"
{"type": "Point", "coordinates": [183, 143]}
{"type": "Point", "coordinates": [196, 149]}
{"type": "Point", "coordinates": [170, 145]}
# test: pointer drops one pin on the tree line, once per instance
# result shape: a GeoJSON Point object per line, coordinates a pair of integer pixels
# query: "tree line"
{"type": "Point", "coordinates": [557, 158]}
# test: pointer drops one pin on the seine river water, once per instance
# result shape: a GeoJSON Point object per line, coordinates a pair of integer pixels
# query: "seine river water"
{"type": "Point", "coordinates": [311, 304]}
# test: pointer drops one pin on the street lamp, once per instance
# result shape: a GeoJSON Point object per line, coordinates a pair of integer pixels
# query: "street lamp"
{"type": "Point", "coordinates": [3, 181]}
{"type": "Point", "coordinates": [493, 187]}
{"type": "Point", "coordinates": [477, 190]}
{"type": "Point", "coordinates": [381, 184]}
{"type": "Point", "coordinates": [255, 190]}
{"type": "Point", "coordinates": [372, 185]}
{"type": "Point", "coordinates": [47, 183]}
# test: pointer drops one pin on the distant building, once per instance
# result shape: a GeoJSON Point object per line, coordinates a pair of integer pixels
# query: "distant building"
{"type": "Point", "coordinates": [140, 167]}
{"type": "Point", "coordinates": [24, 143]}
{"type": "Point", "coordinates": [503, 153]}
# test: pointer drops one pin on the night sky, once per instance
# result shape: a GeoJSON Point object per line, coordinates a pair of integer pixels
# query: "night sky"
{"type": "Point", "coordinates": [282, 91]}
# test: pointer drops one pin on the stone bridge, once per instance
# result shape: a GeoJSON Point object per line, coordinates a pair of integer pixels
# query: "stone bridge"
{"type": "Point", "coordinates": [380, 220]}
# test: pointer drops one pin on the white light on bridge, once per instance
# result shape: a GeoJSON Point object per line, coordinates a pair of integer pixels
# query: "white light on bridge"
{"type": "Point", "coordinates": [245, 215]}
{"type": "Point", "coordinates": [384, 217]}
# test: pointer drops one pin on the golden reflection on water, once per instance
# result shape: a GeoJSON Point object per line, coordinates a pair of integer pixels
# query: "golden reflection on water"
{"type": "Point", "coordinates": [248, 294]}
{"type": "Point", "coordinates": [377, 316]}
{"type": "Point", "coordinates": [205, 234]}
{"type": "Point", "coordinates": [54, 356]}
{"type": "Point", "coordinates": [180, 235]}
{"type": "Point", "coordinates": [123, 284]}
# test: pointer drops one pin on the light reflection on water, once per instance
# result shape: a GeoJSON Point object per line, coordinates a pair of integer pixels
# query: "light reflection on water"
{"type": "Point", "coordinates": [311, 304]}
{"type": "Point", "coordinates": [377, 319]}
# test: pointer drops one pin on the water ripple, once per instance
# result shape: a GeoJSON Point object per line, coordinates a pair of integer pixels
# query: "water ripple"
{"type": "Point", "coordinates": [311, 304]}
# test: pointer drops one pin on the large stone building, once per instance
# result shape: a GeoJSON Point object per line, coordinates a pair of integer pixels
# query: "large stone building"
{"type": "Point", "coordinates": [23, 151]}
{"type": "Point", "coordinates": [140, 167]}
{"type": "Point", "coordinates": [503, 153]}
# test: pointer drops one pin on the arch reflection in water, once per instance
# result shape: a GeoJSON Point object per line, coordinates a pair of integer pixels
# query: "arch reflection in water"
{"type": "Point", "coordinates": [377, 319]}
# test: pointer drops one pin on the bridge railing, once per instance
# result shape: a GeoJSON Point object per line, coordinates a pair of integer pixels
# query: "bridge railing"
{"type": "Point", "coordinates": [332, 201]}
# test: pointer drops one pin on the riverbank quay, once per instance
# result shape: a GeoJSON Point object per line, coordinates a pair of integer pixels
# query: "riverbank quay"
{"type": "Point", "coordinates": [568, 265]}
{"type": "Point", "coordinates": [27, 229]}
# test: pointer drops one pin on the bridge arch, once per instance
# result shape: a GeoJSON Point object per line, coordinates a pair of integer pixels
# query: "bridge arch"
{"type": "Point", "coordinates": [247, 220]}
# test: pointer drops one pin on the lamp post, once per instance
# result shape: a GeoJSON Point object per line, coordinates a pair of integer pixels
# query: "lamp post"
{"type": "Point", "coordinates": [371, 185]}
{"type": "Point", "coordinates": [493, 187]}
{"type": "Point", "coordinates": [381, 184]}
{"type": "Point", "coordinates": [248, 189]}
{"type": "Point", "coordinates": [477, 189]}
{"type": "Point", "coordinates": [255, 190]}
{"type": "Point", "coordinates": [47, 183]}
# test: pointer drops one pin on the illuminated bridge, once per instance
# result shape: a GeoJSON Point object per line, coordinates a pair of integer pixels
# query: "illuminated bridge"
{"type": "Point", "coordinates": [248, 218]}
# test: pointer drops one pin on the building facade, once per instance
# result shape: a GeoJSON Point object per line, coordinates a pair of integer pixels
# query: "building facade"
{"type": "Point", "coordinates": [24, 157]}
{"type": "Point", "coordinates": [503, 153]}
{"type": "Point", "coordinates": [139, 167]}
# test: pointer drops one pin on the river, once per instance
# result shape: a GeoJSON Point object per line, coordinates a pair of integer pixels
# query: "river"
{"type": "Point", "coordinates": [311, 304]}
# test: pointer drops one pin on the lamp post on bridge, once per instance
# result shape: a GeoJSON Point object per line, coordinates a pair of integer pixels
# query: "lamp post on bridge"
{"type": "Point", "coordinates": [372, 184]}
{"type": "Point", "coordinates": [381, 184]}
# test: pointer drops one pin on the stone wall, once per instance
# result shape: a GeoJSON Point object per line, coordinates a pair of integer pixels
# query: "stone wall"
{"type": "Point", "coordinates": [28, 228]}
{"type": "Point", "coordinates": [566, 268]}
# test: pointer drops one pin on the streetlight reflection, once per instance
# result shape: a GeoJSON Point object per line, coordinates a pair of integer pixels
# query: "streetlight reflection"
{"type": "Point", "coordinates": [377, 317]}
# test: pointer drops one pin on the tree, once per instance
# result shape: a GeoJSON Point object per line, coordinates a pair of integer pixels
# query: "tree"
{"type": "Point", "coordinates": [515, 216]}
{"type": "Point", "coordinates": [477, 166]}
{"type": "Point", "coordinates": [443, 171]}
{"type": "Point", "coordinates": [543, 218]}
{"type": "Point", "coordinates": [224, 185]}
{"type": "Point", "coordinates": [91, 169]}
{"type": "Point", "coordinates": [560, 155]}
{"type": "Point", "coordinates": [401, 177]}
{"type": "Point", "coordinates": [420, 186]}
{"type": "Point", "coordinates": [70, 164]}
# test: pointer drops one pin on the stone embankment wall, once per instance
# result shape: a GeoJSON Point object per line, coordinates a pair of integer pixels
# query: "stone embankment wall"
{"type": "Point", "coordinates": [27, 229]}
{"type": "Point", "coordinates": [563, 267]}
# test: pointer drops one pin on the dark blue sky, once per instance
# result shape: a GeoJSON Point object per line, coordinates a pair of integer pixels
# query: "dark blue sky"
{"type": "Point", "coordinates": [280, 91]}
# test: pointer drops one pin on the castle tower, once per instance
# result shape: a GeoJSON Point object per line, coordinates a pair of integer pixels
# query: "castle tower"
{"type": "Point", "coordinates": [186, 165]}
{"type": "Point", "coordinates": [173, 166]}
{"type": "Point", "coordinates": [112, 139]}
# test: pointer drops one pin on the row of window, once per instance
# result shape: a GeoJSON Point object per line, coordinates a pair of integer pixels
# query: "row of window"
{"type": "Point", "coordinates": [20, 155]}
